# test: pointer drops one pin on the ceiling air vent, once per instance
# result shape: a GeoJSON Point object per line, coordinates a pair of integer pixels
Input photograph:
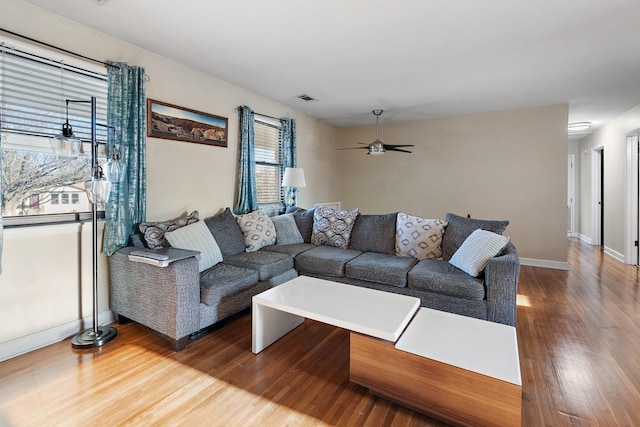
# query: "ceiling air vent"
{"type": "Point", "coordinates": [306, 98]}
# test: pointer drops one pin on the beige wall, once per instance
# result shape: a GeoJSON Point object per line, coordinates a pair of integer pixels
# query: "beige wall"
{"type": "Point", "coordinates": [503, 165]}
{"type": "Point", "coordinates": [46, 270]}
{"type": "Point", "coordinates": [613, 138]}
{"type": "Point", "coordinates": [499, 165]}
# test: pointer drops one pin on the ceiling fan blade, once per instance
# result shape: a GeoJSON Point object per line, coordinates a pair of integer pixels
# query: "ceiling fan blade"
{"type": "Point", "coordinates": [395, 145]}
{"type": "Point", "coordinates": [355, 148]}
{"type": "Point", "coordinates": [398, 149]}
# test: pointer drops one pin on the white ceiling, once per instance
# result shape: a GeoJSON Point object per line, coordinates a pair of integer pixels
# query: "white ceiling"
{"type": "Point", "coordinates": [414, 58]}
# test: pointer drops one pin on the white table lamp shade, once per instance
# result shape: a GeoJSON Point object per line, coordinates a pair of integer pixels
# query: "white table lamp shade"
{"type": "Point", "coordinates": [293, 177]}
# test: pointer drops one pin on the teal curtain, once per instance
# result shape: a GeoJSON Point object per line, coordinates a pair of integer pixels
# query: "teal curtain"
{"type": "Point", "coordinates": [247, 192]}
{"type": "Point", "coordinates": [127, 115]}
{"type": "Point", "coordinates": [289, 158]}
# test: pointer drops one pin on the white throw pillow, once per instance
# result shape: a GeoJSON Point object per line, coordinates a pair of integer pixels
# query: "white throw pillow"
{"type": "Point", "coordinates": [197, 237]}
{"type": "Point", "coordinates": [481, 245]}
{"type": "Point", "coordinates": [418, 237]}
{"type": "Point", "coordinates": [257, 230]}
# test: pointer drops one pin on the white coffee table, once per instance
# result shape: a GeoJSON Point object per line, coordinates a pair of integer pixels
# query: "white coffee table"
{"type": "Point", "coordinates": [459, 369]}
{"type": "Point", "coordinates": [370, 312]}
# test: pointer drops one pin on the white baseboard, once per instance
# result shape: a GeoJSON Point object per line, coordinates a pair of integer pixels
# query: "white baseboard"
{"type": "Point", "coordinates": [47, 337]}
{"type": "Point", "coordinates": [617, 255]}
{"type": "Point", "coordinates": [556, 265]}
{"type": "Point", "coordinates": [584, 238]}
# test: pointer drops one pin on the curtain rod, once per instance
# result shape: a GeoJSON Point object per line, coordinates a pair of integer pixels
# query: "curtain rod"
{"type": "Point", "coordinates": [260, 114]}
{"type": "Point", "coordinates": [106, 64]}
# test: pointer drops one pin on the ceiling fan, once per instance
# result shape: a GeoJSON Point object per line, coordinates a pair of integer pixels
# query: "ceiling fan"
{"type": "Point", "coordinates": [377, 147]}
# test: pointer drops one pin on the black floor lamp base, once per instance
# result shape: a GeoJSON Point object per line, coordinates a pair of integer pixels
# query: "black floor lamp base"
{"type": "Point", "coordinates": [90, 339]}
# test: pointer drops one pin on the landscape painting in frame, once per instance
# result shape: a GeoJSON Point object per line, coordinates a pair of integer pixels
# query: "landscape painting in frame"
{"type": "Point", "coordinates": [169, 121]}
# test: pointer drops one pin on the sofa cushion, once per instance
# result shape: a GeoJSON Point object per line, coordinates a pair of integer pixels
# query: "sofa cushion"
{"type": "Point", "coordinates": [325, 260]}
{"type": "Point", "coordinates": [440, 277]}
{"type": "Point", "coordinates": [459, 228]}
{"type": "Point", "coordinates": [304, 221]}
{"type": "Point", "coordinates": [257, 230]}
{"type": "Point", "coordinates": [287, 232]}
{"type": "Point", "coordinates": [291, 250]}
{"type": "Point", "coordinates": [333, 227]}
{"type": "Point", "coordinates": [224, 280]}
{"type": "Point", "coordinates": [374, 233]}
{"type": "Point", "coordinates": [153, 232]}
{"type": "Point", "coordinates": [380, 268]}
{"type": "Point", "coordinates": [226, 231]}
{"type": "Point", "coordinates": [481, 245]}
{"type": "Point", "coordinates": [418, 237]}
{"type": "Point", "coordinates": [267, 264]}
{"type": "Point", "coordinates": [196, 237]}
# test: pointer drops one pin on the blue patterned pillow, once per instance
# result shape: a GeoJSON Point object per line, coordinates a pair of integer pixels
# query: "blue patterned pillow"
{"type": "Point", "coordinates": [333, 227]}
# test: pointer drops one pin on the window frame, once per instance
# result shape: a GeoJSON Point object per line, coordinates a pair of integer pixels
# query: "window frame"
{"type": "Point", "coordinates": [273, 206]}
{"type": "Point", "coordinates": [39, 142]}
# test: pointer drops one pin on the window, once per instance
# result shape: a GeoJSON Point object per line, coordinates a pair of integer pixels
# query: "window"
{"type": "Point", "coordinates": [268, 151]}
{"type": "Point", "coordinates": [33, 90]}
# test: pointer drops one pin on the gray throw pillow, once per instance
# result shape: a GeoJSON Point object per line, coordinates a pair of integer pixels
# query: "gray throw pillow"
{"type": "Point", "coordinates": [287, 232]}
{"type": "Point", "coordinates": [459, 228]}
{"type": "Point", "coordinates": [226, 232]}
{"type": "Point", "coordinates": [304, 221]}
{"type": "Point", "coordinates": [374, 233]}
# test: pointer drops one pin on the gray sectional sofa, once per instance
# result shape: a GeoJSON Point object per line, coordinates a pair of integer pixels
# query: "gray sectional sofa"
{"type": "Point", "coordinates": [179, 301]}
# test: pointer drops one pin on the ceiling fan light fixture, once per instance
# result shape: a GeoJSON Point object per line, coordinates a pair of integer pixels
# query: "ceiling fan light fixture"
{"type": "Point", "coordinates": [376, 148]}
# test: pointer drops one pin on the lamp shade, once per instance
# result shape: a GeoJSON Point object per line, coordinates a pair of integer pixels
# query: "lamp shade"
{"type": "Point", "coordinates": [293, 177]}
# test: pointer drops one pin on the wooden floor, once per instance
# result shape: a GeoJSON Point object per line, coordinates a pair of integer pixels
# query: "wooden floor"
{"type": "Point", "coordinates": [579, 340]}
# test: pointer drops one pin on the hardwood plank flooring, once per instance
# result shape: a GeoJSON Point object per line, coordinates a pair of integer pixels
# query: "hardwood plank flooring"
{"type": "Point", "coordinates": [578, 335]}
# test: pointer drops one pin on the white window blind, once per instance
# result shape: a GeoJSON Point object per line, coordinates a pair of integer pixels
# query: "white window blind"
{"type": "Point", "coordinates": [268, 154]}
{"type": "Point", "coordinates": [34, 90]}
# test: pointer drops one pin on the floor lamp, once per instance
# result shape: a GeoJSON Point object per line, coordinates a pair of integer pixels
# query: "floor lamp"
{"type": "Point", "coordinates": [98, 189]}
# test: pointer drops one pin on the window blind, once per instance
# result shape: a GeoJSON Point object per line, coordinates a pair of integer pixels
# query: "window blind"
{"type": "Point", "coordinates": [33, 90]}
{"type": "Point", "coordinates": [268, 164]}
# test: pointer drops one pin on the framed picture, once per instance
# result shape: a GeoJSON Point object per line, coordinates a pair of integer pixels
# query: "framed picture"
{"type": "Point", "coordinates": [169, 121]}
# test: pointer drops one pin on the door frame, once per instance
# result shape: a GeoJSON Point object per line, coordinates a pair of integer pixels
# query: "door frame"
{"type": "Point", "coordinates": [571, 195]}
{"type": "Point", "coordinates": [596, 195]}
{"type": "Point", "coordinates": [631, 199]}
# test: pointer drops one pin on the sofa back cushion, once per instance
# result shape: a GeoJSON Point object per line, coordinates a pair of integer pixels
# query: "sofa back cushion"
{"type": "Point", "coordinates": [459, 228]}
{"type": "Point", "coordinates": [226, 232]}
{"type": "Point", "coordinates": [304, 221]}
{"type": "Point", "coordinates": [374, 233]}
{"type": "Point", "coordinates": [418, 237]}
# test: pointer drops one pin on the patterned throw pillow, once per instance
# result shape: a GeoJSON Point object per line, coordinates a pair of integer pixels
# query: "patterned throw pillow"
{"type": "Point", "coordinates": [153, 232]}
{"type": "Point", "coordinates": [196, 237]}
{"type": "Point", "coordinates": [257, 230]}
{"type": "Point", "coordinates": [481, 245]}
{"type": "Point", "coordinates": [418, 237]}
{"type": "Point", "coordinates": [332, 227]}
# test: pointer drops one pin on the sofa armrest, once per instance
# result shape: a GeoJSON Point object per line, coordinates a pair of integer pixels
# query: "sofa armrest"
{"type": "Point", "coordinates": [165, 299]}
{"type": "Point", "coordinates": [501, 278]}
